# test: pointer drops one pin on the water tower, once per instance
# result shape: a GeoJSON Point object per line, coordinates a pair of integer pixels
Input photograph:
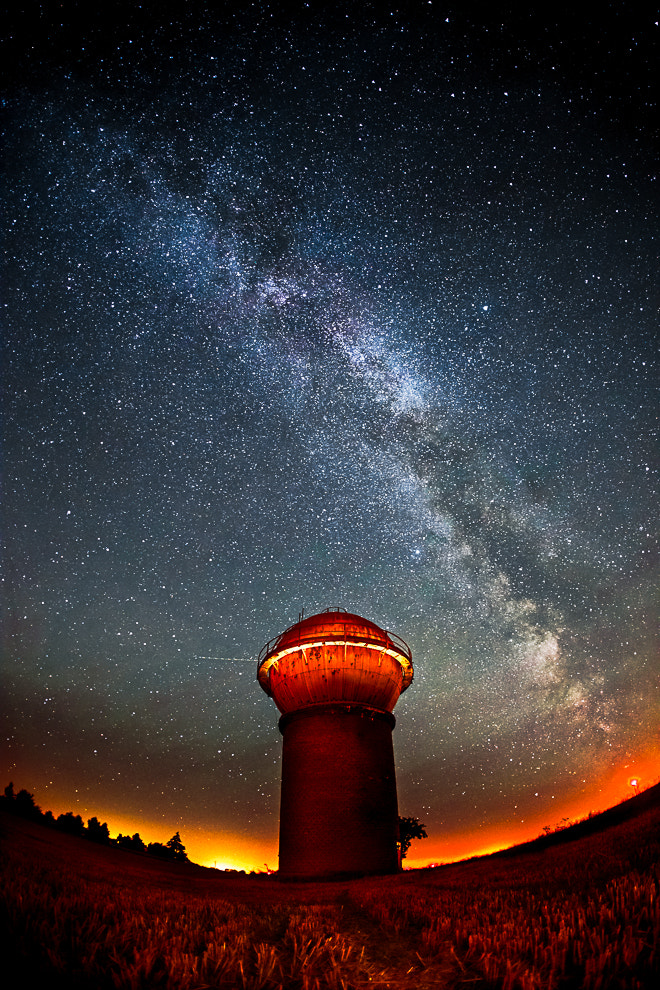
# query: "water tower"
{"type": "Point", "coordinates": [336, 677]}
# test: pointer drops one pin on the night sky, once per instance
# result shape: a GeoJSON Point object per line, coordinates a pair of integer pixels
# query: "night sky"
{"type": "Point", "coordinates": [337, 305]}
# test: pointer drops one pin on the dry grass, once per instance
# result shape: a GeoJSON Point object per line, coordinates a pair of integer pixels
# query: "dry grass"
{"type": "Point", "coordinates": [584, 915]}
{"type": "Point", "coordinates": [91, 935]}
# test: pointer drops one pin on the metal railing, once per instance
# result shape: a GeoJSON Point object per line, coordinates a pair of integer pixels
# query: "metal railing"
{"type": "Point", "coordinates": [348, 637]}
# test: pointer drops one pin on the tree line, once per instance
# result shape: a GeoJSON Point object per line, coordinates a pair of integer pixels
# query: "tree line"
{"type": "Point", "coordinates": [23, 805]}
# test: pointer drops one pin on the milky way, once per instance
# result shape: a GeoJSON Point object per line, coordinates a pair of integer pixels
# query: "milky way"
{"type": "Point", "coordinates": [307, 312]}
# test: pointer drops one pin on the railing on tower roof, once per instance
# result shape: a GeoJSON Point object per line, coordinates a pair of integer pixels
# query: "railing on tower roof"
{"type": "Point", "coordinates": [400, 644]}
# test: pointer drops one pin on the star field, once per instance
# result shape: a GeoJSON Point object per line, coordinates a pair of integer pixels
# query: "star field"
{"type": "Point", "coordinates": [316, 309]}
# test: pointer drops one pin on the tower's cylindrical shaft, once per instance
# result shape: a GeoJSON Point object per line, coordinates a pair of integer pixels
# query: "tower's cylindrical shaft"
{"type": "Point", "coordinates": [338, 811]}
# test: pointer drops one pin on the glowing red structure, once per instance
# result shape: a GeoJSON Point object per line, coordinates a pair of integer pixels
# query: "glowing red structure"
{"type": "Point", "coordinates": [336, 678]}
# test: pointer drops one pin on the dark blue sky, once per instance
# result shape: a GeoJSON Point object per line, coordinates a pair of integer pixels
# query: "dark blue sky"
{"type": "Point", "coordinates": [307, 309]}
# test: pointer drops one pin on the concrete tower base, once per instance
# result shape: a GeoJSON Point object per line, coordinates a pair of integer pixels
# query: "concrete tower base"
{"type": "Point", "coordinates": [338, 811]}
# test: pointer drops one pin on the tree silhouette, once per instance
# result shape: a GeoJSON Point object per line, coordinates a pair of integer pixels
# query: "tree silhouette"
{"type": "Point", "coordinates": [173, 849]}
{"type": "Point", "coordinates": [138, 844]}
{"type": "Point", "coordinates": [133, 842]}
{"type": "Point", "coordinates": [25, 806]}
{"type": "Point", "coordinates": [21, 804]}
{"type": "Point", "coordinates": [70, 823]}
{"type": "Point", "coordinates": [409, 829]}
{"type": "Point", "coordinates": [98, 832]}
{"type": "Point", "coordinates": [177, 848]}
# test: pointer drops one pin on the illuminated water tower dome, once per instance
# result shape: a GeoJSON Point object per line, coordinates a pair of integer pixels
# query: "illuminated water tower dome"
{"type": "Point", "coordinates": [336, 678]}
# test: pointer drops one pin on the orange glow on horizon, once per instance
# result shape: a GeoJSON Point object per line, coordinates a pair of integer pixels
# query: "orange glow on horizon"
{"type": "Point", "coordinates": [450, 847]}
{"type": "Point", "coordinates": [232, 852]}
{"type": "Point", "coordinates": [220, 850]}
{"type": "Point", "coordinates": [205, 847]}
{"type": "Point", "coordinates": [239, 851]}
{"type": "Point", "coordinates": [455, 846]}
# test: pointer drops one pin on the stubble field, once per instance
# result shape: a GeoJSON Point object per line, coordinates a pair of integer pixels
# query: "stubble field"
{"type": "Point", "coordinates": [584, 913]}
